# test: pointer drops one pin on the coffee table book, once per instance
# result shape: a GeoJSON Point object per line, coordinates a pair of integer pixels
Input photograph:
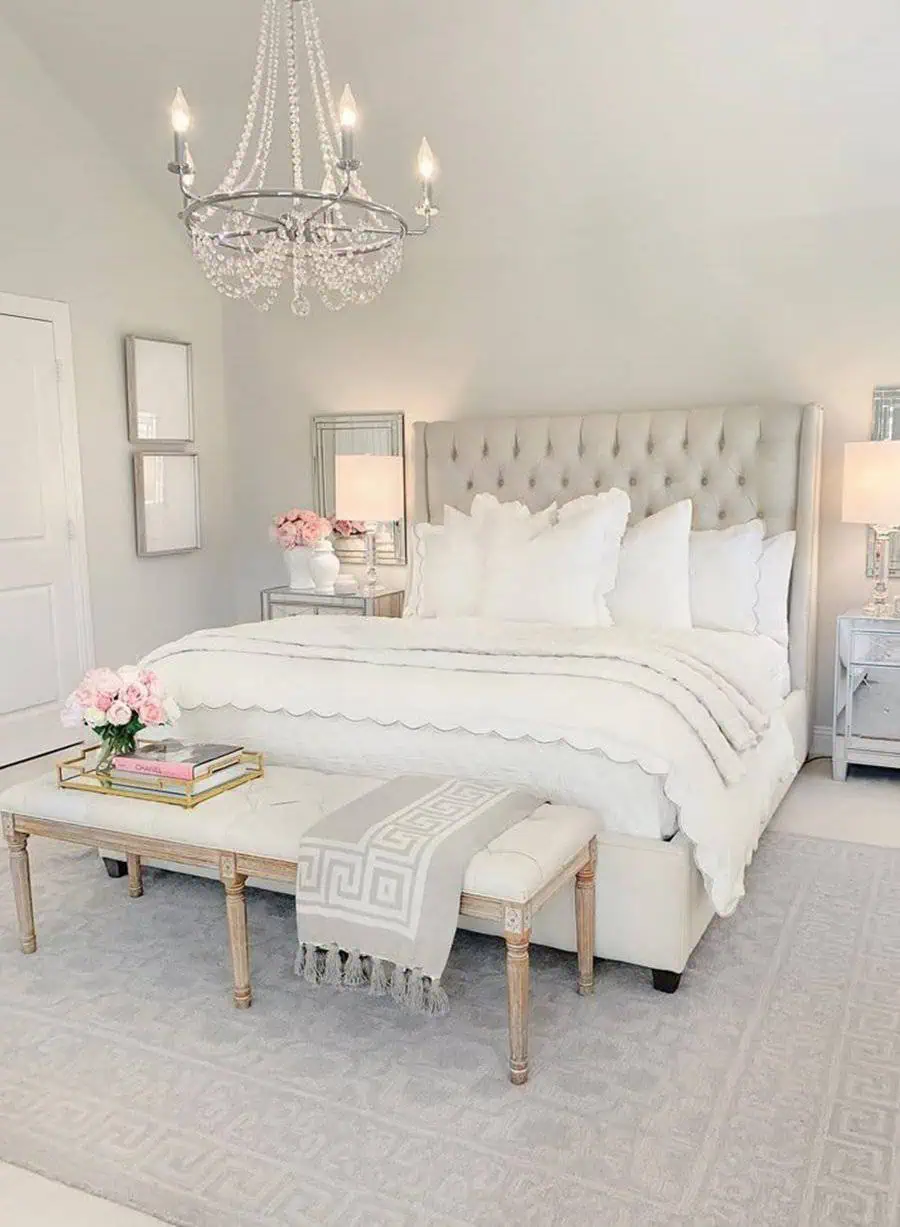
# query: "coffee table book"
{"type": "Point", "coordinates": [79, 773]}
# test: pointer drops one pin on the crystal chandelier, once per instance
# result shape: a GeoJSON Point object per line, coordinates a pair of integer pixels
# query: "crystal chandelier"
{"type": "Point", "coordinates": [335, 242]}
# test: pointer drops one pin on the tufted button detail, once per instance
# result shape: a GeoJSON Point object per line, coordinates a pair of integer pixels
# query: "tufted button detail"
{"type": "Point", "coordinates": [454, 454]}
{"type": "Point", "coordinates": [667, 481]}
{"type": "Point", "coordinates": [500, 483]}
{"type": "Point", "coordinates": [470, 485]}
{"type": "Point", "coordinates": [721, 515]}
{"type": "Point", "coordinates": [565, 483]}
{"type": "Point", "coordinates": [704, 480]}
{"type": "Point", "coordinates": [632, 481]}
{"type": "Point", "coordinates": [742, 480]}
{"type": "Point", "coordinates": [650, 447]}
{"type": "Point", "coordinates": [485, 449]}
{"type": "Point", "coordinates": [597, 483]}
{"type": "Point", "coordinates": [615, 449]}
{"type": "Point", "coordinates": [532, 483]}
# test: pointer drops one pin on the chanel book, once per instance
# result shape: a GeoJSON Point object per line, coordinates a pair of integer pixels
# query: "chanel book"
{"type": "Point", "coordinates": [177, 760]}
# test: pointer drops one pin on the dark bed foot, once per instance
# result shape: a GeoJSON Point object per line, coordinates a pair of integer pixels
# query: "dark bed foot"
{"type": "Point", "coordinates": [118, 869]}
{"type": "Point", "coordinates": [666, 981]}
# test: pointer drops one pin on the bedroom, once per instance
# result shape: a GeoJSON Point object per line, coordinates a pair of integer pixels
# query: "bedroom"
{"type": "Point", "coordinates": [644, 208]}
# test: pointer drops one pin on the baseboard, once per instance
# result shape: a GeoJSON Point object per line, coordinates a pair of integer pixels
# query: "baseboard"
{"type": "Point", "coordinates": [821, 741]}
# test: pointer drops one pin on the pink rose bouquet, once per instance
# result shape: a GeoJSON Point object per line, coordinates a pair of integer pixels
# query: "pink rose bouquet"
{"type": "Point", "coordinates": [347, 528]}
{"type": "Point", "coordinates": [116, 705]}
{"type": "Point", "coordinates": [298, 528]}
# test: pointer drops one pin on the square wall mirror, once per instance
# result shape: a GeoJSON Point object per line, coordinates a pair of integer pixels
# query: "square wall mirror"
{"type": "Point", "coordinates": [885, 425]}
{"type": "Point", "coordinates": [357, 434]}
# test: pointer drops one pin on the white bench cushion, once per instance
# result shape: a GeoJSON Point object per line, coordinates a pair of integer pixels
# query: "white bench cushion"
{"type": "Point", "coordinates": [267, 817]}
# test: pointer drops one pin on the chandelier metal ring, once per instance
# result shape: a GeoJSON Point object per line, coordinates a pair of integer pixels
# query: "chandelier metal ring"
{"type": "Point", "coordinates": [346, 246]}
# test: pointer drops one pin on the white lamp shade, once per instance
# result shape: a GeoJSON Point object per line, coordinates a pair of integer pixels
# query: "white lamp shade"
{"type": "Point", "coordinates": [369, 488]}
{"type": "Point", "coordinates": [872, 483]}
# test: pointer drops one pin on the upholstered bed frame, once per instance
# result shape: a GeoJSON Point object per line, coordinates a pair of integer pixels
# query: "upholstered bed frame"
{"type": "Point", "coordinates": [735, 464]}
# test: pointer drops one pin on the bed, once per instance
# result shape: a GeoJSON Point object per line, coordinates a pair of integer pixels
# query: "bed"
{"type": "Point", "coordinates": [653, 902]}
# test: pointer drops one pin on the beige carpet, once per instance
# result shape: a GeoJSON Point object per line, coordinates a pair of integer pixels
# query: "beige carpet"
{"type": "Point", "coordinates": [863, 809]}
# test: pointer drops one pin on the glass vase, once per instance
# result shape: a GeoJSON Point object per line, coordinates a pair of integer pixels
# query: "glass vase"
{"type": "Point", "coordinates": [113, 743]}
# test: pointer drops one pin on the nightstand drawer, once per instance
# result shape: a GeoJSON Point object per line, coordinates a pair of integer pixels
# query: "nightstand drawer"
{"type": "Point", "coordinates": [870, 647]}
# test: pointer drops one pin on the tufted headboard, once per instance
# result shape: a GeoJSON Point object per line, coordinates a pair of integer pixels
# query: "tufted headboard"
{"type": "Point", "coordinates": [735, 463]}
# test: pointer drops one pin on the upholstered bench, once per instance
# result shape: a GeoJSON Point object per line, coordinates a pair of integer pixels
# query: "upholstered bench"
{"type": "Point", "coordinates": [254, 831]}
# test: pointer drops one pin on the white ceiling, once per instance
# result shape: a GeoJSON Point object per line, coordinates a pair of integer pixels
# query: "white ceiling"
{"type": "Point", "coordinates": [562, 111]}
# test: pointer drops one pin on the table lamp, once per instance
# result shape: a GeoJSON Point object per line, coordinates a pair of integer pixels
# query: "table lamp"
{"type": "Point", "coordinates": [872, 496]}
{"type": "Point", "coordinates": [370, 489]}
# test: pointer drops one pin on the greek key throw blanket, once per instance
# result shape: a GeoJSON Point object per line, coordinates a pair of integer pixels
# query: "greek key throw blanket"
{"type": "Point", "coordinates": [379, 881]}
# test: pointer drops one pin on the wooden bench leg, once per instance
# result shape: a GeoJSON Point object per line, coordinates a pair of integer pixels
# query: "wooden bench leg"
{"type": "Point", "coordinates": [585, 919]}
{"type": "Point", "coordinates": [517, 932]}
{"type": "Point", "coordinates": [20, 872]}
{"type": "Point", "coordinates": [236, 910]}
{"type": "Point", "coordinates": [135, 878]}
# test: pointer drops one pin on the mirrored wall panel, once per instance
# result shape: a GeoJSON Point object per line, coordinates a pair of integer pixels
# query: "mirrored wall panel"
{"type": "Point", "coordinates": [885, 425]}
{"type": "Point", "coordinates": [357, 434]}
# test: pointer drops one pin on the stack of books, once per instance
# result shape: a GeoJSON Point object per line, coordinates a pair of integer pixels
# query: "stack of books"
{"type": "Point", "coordinates": [177, 767]}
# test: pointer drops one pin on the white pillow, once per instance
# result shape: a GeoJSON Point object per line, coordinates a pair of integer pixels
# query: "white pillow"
{"type": "Point", "coordinates": [653, 586]}
{"type": "Point", "coordinates": [448, 563]}
{"type": "Point", "coordinates": [725, 577]}
{"type": "Point", "coordinates": [774, 582]}
{"type": "Point", "coordinates": [562, 575]}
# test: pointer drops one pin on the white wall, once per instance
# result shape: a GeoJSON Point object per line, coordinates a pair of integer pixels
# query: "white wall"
{"type": "Point", "coordinates": [644, 206]}
{"type": "Point", "coordinates": [74, 227]}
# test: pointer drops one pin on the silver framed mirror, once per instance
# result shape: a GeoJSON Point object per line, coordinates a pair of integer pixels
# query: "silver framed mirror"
{"type": "Point", "coordinates": [885, 425]}
{"type": "Point", "coordinates": [357, 434]}
{"type": "Point", "coordinates": [159, 382]}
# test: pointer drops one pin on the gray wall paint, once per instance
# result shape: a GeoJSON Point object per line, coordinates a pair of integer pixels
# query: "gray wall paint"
{"type": "Point", "coordinates": [74, 227]}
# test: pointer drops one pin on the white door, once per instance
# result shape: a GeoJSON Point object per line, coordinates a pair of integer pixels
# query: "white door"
{"type": "Point", "coordinates": [43, 645]}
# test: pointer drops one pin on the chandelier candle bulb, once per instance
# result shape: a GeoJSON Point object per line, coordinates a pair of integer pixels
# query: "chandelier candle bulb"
{"type": "Point", "coordinates": [349, 117]}
{"type": "Point", "coordinates": [181, 112]}
{"type": "Point", "coordinates": [181, 121]}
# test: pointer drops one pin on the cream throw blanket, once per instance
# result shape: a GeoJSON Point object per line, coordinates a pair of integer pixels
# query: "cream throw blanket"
{"type": "Point", "coordinates": [379, 881]}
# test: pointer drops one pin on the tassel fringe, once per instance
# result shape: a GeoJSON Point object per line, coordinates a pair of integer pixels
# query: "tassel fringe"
{"type": "Point", "coordinates": [408, 987]}
{"type": "Point", "coordinates": [378, 981]}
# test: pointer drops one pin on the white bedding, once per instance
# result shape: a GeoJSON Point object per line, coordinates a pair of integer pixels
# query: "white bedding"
{"type": "Point", "coordinates": [628, 726]}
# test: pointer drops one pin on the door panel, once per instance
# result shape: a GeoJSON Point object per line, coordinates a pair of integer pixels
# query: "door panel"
{"type": "Point", "coordinates": [39, 654]}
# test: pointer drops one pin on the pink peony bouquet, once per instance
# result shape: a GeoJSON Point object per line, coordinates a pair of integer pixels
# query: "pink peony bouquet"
{"type": "Point", "coordinates": [117, 705]}
{"type": "Point", "coordinates": [297, 528]}
{"type": "Point", "coordinates": [347, 528]}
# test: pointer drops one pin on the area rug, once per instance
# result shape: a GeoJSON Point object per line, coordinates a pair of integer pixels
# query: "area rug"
{"type": "Point", "coordinates": [765, 1092]}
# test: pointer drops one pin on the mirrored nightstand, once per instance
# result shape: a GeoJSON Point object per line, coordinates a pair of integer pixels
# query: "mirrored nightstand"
{"type": "Point", "coordinates": [289, 602]}
{"type": "Point", "coordinates": [866, 693]}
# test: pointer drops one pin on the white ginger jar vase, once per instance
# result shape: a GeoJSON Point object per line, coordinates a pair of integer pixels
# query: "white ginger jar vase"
{"type": "Point", "coordinates": [299, 575]}
{"type": "Point", "coordinates": [324, 566]}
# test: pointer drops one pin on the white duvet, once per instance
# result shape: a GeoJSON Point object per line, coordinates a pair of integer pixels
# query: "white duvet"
{"type": "Point", "coordinates": [554, 705]}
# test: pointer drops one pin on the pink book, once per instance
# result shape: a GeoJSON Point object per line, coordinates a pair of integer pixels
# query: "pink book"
{"type": "Point", "coordinates": [177, 760]}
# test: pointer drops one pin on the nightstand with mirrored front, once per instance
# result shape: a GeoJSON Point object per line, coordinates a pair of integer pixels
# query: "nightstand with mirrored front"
{"type": "Point", "coordinates": [866, 692]}
{"type": "Point", "coordinates": [380, 602]}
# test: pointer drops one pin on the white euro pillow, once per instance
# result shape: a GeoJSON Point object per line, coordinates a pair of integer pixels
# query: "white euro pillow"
{"type": "Point", "coordinates": [563, 574]}
{"type": "Point", "coordinates": [775, 565]}
{"type": "Point", "coordinates": [724, 571]}
{"type": "Point", "coordinates": [449, 561]}
{"type": "Point", "coordinates": [653, 586]}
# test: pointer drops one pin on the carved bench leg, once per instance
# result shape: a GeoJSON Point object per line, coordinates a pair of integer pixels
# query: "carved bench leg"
{"type": "Point", "coordinates": [135, 877]}
{"type": "Point", "coordinates": [236, 910]}
{"type": "Point", "coordinates": [585, 919]}
{"type": "Point", "coordinates": [517, 931]}
{"type": "Point", "coordinates": [20, 872]}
